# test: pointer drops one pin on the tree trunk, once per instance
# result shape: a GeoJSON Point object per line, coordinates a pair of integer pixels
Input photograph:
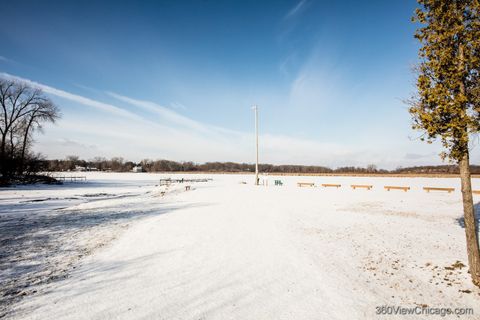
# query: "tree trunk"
{"type": "Point", "coordinates": [24, 146]}
{"type": "Point", "coordinates": [471, 228]}
{"type": "Point", "coordinates": [3, 159]}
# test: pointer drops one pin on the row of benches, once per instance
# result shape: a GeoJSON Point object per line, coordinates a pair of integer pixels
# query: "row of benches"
{"type": "Point", "coordinates": [388, 188]}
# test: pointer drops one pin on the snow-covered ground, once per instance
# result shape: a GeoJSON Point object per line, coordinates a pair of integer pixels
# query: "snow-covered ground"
{"type": "Point", "coordinates": [120, 246]}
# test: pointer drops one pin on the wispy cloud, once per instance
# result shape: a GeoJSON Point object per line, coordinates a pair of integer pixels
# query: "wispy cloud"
{"type": "Point", "coordinates": [416, 156]}
{"type": "Point", "coordinates": [8, 60]}
{"type": "Point", "coordinates": [318, 81]}
{"type": "Point", "coordinates": [168, 115]}
{"type": "Point", "coordinates": [72, 143]}
{"type": "Point", "coordinates": [296, 9]}
{"type": "Point", "coordinates": [178, 105]}
{"type": "Point", "coordinates": [73, 97]}
{"type": "Point", "coordinates": [286, 65]}
{"type": "Point", "coordinates": [86, 88]}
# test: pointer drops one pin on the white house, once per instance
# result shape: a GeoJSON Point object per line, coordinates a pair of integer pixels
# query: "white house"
{"type": "Point", "coordinates": [137, 169]}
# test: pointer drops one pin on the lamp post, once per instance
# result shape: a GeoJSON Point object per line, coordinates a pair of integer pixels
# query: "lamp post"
{"type": "Point", "coordinates": [255, 108]}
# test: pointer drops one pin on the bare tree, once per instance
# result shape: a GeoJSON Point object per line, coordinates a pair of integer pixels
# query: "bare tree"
{"type": "Point", "coordinates": [23, 110]}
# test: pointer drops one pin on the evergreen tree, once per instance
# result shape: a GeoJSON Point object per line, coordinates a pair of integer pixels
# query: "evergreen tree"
{"type": "Point", "coordinates": [447, 105]}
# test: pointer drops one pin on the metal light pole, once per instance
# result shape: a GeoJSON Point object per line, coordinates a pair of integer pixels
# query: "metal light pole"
{"type": "Point", "coordinates": [255, 108]}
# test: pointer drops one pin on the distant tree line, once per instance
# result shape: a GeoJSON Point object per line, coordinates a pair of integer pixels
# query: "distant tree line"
{"type": "Point", "coordinates": [71, 163]}
{"type": "Point", "coordinates": [118, 164]}
{"type": "Point", "coordinates": [442, 169]}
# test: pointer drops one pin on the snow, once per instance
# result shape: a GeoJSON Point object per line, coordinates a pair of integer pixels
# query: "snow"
{"type": "Point", "coordinates": [114, 247]}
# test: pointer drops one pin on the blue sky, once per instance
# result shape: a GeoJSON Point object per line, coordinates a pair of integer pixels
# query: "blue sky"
{"type": "Point", "coordinates": [176, 80]}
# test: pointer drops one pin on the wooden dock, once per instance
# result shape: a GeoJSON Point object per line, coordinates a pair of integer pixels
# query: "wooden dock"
{"type": "Point", "coordinates": [169, 181]}
{"type": "Point", "coordinates": [71, 178]}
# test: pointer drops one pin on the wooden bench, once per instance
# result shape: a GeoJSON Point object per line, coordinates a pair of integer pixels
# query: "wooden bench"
{"type": "Point", "coordinates": [428, 189]}
{"type": "Point", "coordinates": [305, 184]}
{"type": "Point", "coordinates": [331, 185]}
{"type": "Point", "coordinates": [368, 187]}
{"type": "Point", "coordinates": [476, 191]}
{"type": "Point", "coordinates": [278, 183]}
{"type": "Point", "coordinates": [397, 188]}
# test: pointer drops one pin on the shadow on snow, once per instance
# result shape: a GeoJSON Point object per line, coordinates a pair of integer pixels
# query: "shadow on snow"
{"type": "Point", "coordinates": [38, 248]}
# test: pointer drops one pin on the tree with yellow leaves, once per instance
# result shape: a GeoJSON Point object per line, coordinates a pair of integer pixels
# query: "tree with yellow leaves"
{"type": "Point", "coordinates": [447, 105]}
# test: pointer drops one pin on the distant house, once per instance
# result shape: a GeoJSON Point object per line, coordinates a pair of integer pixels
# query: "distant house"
{"type": "Point", "coordinates": [82, 169]}
{"type": "Point", "coordinates": [137, 169]}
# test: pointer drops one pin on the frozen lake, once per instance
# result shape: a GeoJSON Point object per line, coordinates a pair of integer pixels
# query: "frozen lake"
{"type": "Point", "coordinates": [120, 246]}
